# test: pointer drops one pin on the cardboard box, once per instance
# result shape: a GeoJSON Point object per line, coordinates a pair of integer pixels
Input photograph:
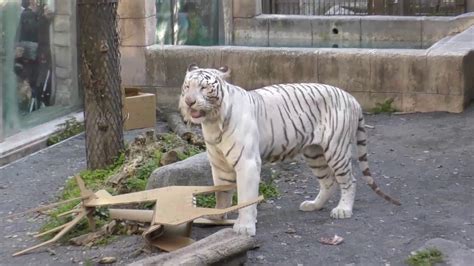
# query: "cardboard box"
{"type": "Point", "coordinates": [139, 109]}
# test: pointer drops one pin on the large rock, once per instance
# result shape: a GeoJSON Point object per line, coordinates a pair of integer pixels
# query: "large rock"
{"type": "Point", "coordinates": [194, 171]}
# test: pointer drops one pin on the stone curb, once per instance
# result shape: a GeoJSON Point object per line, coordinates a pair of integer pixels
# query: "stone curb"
{"type": "Point", "coordinates": [224, 247]}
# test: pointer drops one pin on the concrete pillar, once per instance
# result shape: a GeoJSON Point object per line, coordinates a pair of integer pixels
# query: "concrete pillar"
{"type": "Point", "coordinates": [64, 53]}
{"type": "Point", "coordinates": [469, 5]}
{"type": "Point", "coordinates": [247, 8]}
{"type": "Point", "coordinates": [137, 26]}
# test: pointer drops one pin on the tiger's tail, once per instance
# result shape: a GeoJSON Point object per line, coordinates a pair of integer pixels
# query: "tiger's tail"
{"type": "Point", "coordinates": [364, 165]}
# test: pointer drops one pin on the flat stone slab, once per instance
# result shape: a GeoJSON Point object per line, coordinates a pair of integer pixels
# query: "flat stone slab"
{"type": "Point", "coordinates": [222, 248]}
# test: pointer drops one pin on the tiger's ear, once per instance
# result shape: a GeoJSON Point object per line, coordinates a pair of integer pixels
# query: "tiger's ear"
{"type": "Point", "coordinates": [192, 67]}
{"type": "Point", "coordinates": [225, 70]}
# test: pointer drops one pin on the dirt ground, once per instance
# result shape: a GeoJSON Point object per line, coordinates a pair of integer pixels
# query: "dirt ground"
{"type": "Point", "coordinates": [425, 160]}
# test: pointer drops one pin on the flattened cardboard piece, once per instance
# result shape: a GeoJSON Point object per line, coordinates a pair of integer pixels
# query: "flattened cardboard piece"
{"type": "Point", "coordinates": [174, 206]}
{"type": "Point", "coordinates": [169, 238]}
{"type": "Point", "coordinates": [171, 243]}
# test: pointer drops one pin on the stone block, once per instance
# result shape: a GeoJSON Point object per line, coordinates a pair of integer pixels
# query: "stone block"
{"type": "Point", "coordinates": [63, 56]}
{"type": "Point", "coordinates": [62, 72]}
{"type": "Point", "coordinates": [293, 66]}
{"type": "Point", "coordinates": [347, 69]}
{"type": "Point", "coordinates": [251, 32]}
{"type": "Point", "coordinates": [445, 73]}
{"type": "Point", "coordinates": [136, 8]}
{"type": "Point", "coordinates": [167, 98]}
{"type": "Point", "coordinates": [155, 70]}
{"type": "Point", "coordinates": [250, 66]}
{"type": "Point", "coordinates": [137, 32]}
{"type": "Point", "coordinates": [133, 65]}
{"type": "Point", "coordinates": [469, 74]}
{"type": "Point", "coordinates": [177, 59]}
{"type": "Point", "coordinates": [62, 38]}
{"type": "Point", "coordinates": [62, 23]}
{"type": "Point", "coordinates": [424, 102]}
{"type": "Point", "coordinates": [289, 32]}
{"type": "Point", "coordinates": [434, 29]}
{"type": "Point", "coordinates": [399, 71]}
{"type": "Point", "coordinates": [246, 8]}
{"type": "Point", "coordinates": [391, 32]}
{"type": "Point", "coordinates": [341, 32]}
{"type": "Point", "coordinates": [466, 36]}
{"type": "Point", "coordinates": [64, 7]}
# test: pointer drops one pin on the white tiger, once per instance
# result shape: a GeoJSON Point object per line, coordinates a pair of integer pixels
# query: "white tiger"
{"type": "Point", "coordinates": [243, 128]}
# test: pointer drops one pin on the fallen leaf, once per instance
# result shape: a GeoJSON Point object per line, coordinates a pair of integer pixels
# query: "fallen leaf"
{"type": "Point", "coordinates": [335, 240]}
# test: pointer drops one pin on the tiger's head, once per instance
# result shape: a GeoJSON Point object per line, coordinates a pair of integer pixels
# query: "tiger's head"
{"type": "Point", "coordinates": [202, 93]}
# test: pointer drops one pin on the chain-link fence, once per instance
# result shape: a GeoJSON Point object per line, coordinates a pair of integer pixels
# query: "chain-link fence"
{"type": "Point", "coordinates": [99, 64]}
{"type": "Point", "coordinates": [366, 7]}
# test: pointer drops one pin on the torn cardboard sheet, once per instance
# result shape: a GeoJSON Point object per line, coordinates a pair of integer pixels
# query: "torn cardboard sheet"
{"type": "Point", "coordinates": [173, 207]}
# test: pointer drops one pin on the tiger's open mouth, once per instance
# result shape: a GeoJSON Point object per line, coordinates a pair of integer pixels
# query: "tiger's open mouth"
{"type": "Point", "coordinates": [197, 113]}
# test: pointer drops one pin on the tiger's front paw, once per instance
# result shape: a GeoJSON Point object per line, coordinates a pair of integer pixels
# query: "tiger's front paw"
{"type": "Point", "coordinates": [341, 213]}
{"type": "Point", "coordinates": [309, 205]}
{"type": "Point", "coordinates": [245, 228]}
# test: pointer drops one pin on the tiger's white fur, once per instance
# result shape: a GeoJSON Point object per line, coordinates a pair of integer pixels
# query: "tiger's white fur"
{"type": "Point", "coordinates": [242, 129]}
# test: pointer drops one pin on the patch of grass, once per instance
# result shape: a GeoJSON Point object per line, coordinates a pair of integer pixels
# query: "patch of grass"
{"type": "Point", "coordinates": [425, 258]}
{"type": "Point", "coordinates": [96, 180]}
{"type": "Point", "coordinates": [66, 130]}
{"type": "Point", "coordinates": [267, 189]}
{"type": "Point", "coordinates": [385, 107]}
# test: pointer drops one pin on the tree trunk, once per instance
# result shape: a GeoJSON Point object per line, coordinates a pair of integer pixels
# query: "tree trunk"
{"type": "Point", "coordinates": [99, 61]}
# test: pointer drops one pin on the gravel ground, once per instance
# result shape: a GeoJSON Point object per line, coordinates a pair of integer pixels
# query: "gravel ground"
{"type": "Point", "coordinates": [425, 160]}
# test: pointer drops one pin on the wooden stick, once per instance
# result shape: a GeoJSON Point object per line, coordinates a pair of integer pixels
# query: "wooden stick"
{"type": "Point", "coordinates": [45, 207]}
{"type": "Point", "coordinates": [66, 229]}
{"type": "Point", "coordinates": [68, 212]}
{"type": "Point", "coordinates": [51, 231]}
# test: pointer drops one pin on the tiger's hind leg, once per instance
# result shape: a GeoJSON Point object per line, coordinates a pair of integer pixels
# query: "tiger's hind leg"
{"type": "Point", "coordinates": [343, 173]}
{"type": "Point", "coordinates": [314, 156]}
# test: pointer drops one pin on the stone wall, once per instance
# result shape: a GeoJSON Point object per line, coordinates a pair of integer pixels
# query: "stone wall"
{"type": "Point", "coordinates": [436, 79]}
{"type": "Point", "coordinates": [345, 31]}
{"type": "Point", "coordinates": [64, 53]}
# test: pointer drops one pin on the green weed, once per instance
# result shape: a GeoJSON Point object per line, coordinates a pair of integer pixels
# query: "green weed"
{"type": "Point", "coordinates": [66, 130]}
{"type": "Point", "coordinates": [267, 189]}
{"type": "Point", "coordinates": [385, 107]}
{"type": "Point", "coordinates": [425, 258]}
{"type": "Point", "coordinates": [96, 180]}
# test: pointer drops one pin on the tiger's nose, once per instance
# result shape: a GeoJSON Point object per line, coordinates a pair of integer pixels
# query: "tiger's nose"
{"type": "Point", "coordinates": [189, 101]}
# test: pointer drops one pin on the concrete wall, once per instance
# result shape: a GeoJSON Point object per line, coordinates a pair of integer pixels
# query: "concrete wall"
{"type": "Point", "coordinates": [346, 31]}
{"type": "Point", "coordinates": [436, 79]}
{"type": "Point", "coordinates": [64, 53]}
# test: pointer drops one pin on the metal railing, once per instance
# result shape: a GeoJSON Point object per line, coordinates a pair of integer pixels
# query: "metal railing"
{"type": "Point", "coordinates": [366, 7]}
